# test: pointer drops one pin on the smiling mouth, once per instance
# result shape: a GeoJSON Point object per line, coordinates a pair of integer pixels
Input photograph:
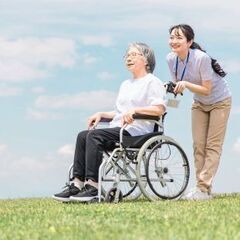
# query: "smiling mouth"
{"type": "Point", "coordinates": [130, 64]}
{"type": "Point", "coordinates": [175, 46]}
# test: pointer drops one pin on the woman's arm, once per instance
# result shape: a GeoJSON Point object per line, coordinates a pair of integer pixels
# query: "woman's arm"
{"type": "Point", "coordinates": [204, 89]}
{"type": "Point", "coordinates": [157, 110]}
{"type": "Point", "coordinates": [95, 119]}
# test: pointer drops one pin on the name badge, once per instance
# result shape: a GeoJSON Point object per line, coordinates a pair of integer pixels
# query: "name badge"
{"type": "Point", "coordinates": [173, 103]}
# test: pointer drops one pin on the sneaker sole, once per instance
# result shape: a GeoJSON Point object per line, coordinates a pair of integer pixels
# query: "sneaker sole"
{"type": "Point", "coordinates": [82, 199]}
{"type": "Point", "coordinates": [61, 199]}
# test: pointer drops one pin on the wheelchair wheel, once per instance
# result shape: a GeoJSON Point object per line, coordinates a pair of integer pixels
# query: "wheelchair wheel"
{"type": "Point", "coordinates": [113, 196]}
{"type": "Point", "coordinates": [166, 168]}
{"type": "Point", "coordinates": [128, 181]}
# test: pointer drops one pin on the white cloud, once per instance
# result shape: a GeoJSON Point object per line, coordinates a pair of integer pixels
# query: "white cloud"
{"type": "Point", "coordinates": [33, 58]}
{"type": "Point", "coordinates": [104, 41]}
{"type": "Point", "coordinates": [3, 149]}
{"type": "Point", "coordinates": [10, 91]}
{"type": "Point", "coordinates": [14, 71]}
{"type": "Point", "coordinates": [85, 5]}
{"type": "Point", "coordinates": [236, 146]}
{"type": "Point", "coordinates": [89, 59]}
{"type": "Point", "coordinates": [152, 15]}
{"type": "Point", "coordinates": [105, 76]}
{"type": "Point", "coordinates": [38, 90]}
{"type": "Point", "coordinates": [140, 14]}
{"type": "Point", "coordinates": [183, 3]}
{"type": "Point", "coordinates": [66, 150]}
{"type": "Point", "coordinates": [36, 176]}
{"type": "Point", "coordinates": [42, 115]}
{"type": "Point", "coordinates": [92, 100]}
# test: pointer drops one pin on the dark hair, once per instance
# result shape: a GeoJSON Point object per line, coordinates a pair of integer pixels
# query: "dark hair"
{"type": "Point", "coordinates": [189, 34]}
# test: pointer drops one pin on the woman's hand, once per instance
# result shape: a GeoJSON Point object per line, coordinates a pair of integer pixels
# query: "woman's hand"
{"type": "Point", "coordinates": [180, 86]}
{"type": "Point", "coordinates": [204, 89]}
{"type": "Point", "coordinates": [128, 117]}
{"type": "Point", "coordinates": [94, 120]}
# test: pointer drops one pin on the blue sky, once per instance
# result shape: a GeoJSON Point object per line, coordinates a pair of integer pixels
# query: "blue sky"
{"type": "Point", "coordinates": [62, 60]}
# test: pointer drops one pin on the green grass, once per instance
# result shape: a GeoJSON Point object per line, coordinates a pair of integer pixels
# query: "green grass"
{"type": "Point", "coordinates": [47, 219]}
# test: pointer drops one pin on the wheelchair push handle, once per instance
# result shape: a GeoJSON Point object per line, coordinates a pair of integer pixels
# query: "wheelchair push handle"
{"type": "Point", "coordinates": [170, 88]}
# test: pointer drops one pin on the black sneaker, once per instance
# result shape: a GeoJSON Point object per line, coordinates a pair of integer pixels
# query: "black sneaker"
{"type": "Point", "coordinates": [87, 194]}
{"type": "Point", "coordinates": [64, 196]}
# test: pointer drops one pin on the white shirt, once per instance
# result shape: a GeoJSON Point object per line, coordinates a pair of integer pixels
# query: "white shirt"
{"type": "Point", "coordinates": [133, 93]}
{"type": "Point", "coordinates": [199, 68]}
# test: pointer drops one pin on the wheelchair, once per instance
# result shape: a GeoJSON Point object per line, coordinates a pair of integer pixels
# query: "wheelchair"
{"type": "Point", "coordinates": [153, 165]}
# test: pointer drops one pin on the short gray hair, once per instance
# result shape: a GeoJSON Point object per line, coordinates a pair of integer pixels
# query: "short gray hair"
{"type": "Point", "coordinates": [147, 52]}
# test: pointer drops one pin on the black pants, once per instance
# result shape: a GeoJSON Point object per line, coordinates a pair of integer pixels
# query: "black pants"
{"type": "Point", "coordinates": [89, 151]}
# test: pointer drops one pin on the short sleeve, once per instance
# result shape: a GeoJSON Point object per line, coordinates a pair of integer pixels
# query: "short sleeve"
{"type": "Point", "coordinates": [156, 93]}
{"type": "Point", "coordinates": [206, 70]}
{"type": "Point", "coordinates": [170, 61]}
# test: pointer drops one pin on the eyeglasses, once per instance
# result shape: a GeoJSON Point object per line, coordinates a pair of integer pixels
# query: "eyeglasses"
{"type": "Point", "coordinates": [132, 54]}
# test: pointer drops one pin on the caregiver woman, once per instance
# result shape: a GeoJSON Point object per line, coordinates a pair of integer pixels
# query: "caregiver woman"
{"type": "Point", "coordinates": [191, 68]}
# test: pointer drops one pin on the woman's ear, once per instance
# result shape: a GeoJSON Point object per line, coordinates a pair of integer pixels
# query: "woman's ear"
{"type": "Point", "coordinates": [145, 61]}
{"type": "Point", "coordinates": [190, 43]}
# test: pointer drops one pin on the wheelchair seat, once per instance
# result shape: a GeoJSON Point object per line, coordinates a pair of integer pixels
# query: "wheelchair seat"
{"type": "Point", "coordinates": [131, 141]}
{"type": "Point", "coordinates": [138, 141]}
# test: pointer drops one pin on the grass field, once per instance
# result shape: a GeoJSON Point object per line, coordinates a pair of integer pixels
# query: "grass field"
{"type": "Point", "coordinates": [47, 219]}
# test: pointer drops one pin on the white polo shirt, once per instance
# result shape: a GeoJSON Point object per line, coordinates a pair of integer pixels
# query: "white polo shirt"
{"type": "Point", "coordinates": [142, 92]}
{"type": "Point", "coordinates": [199, 68]}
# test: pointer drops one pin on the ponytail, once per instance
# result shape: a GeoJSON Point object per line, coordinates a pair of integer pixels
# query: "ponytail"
{"type": "Point", "coordinates": [215, 65]}
{"type": "Point", "coordinates": [217, 68]}
{"type": "Point", "coordinates": [196, 46]}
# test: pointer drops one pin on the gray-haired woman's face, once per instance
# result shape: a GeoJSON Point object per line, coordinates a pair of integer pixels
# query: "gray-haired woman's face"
{"type": "Point", "coordinates": [134, 60]}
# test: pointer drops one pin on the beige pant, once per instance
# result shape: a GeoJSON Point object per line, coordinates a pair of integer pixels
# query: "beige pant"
{"type": "Point", "coordinates": [209, 124]}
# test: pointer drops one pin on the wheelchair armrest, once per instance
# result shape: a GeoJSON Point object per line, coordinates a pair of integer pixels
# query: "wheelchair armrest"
{"type": "Point", "coordinates": [105, 120]}
{"type": "Point", "coordinates": [102, 123]}
{"type": "Point", "coordinates": [145, 117]}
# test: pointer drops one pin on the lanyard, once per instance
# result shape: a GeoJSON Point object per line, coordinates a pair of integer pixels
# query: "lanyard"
{"type": "Point", "coordinates": [183, 72]}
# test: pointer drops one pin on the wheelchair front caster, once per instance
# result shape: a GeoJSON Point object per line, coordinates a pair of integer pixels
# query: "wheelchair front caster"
{"type": "Point", "coordinates": [114, 196]}
{"type": "Point", "coordinates": [96, 200]}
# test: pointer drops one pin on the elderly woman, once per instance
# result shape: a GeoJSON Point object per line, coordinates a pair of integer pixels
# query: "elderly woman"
{"type": "Point", "coordinates": [143, 93]}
